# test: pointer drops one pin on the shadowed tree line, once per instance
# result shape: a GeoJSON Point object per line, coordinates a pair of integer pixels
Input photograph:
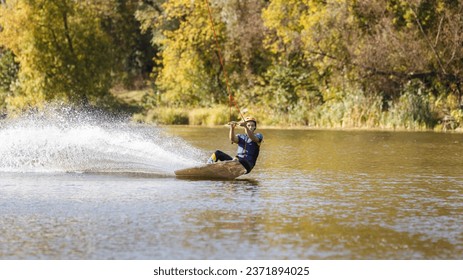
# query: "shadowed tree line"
{"type": "Point", "coordinates": [320, 63]}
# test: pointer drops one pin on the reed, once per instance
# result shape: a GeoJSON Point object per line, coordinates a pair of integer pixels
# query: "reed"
{"type": "Point", "coordinates": [163, 115]}
{"type": "Point", "coordinates": [413, 110]}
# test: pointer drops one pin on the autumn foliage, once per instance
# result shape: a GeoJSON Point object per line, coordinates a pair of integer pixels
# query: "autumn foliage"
{"type": "Point", "coordinates": [321, 63]}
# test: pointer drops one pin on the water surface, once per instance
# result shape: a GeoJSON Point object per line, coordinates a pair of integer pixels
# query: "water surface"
{"type": "Point", "coordinates": [108, 192]}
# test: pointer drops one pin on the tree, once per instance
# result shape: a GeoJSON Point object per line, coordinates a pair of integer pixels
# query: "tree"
{"type": "Point", "coordinates": [309, 53]}
{"type": "Point", "coordinates": [186, 69]}
{"type": "Point", "coordinates": [400, 41]}
{"type": "Point", "coordinates": [8, 70]}
{"type": "Point", "coordinates": [244, 36]}
{"type": "Point", "coordinates": [378, 46]}
{"type": "Point", "coordinates": [189, 70]}
{"type": "Point", "coordinates": [133, 52]}
{"type": "Point", "coordinates": [62, 51]}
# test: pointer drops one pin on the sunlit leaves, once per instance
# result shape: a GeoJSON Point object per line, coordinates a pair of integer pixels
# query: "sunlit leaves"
{"type": "Point", "coordinates": [62, 51]}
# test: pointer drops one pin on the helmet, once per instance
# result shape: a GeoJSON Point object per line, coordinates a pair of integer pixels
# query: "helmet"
{"type": "Point", "coordinates": [250, 119]}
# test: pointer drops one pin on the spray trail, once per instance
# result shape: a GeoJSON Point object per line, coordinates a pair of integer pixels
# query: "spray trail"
{"type": "Point", "coordinates": [67, 140]}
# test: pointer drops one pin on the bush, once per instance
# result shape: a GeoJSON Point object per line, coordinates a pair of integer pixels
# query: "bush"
{"type": "Point", "coordinates": [163, 115]}
{"type": "Point", "coordinates": [412, 110]}
{"type": "Point", "coordinates": [217, 115]}
{"type": "Point", "coordinates": [186, 116]}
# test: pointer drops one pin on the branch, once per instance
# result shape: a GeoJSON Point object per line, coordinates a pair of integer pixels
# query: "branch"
{"type": "Point", "coordinates": [66, 33]}
{"type": "Point", "coordinates": [439, 60]}
{"type": "Point", "coordinates": [456, 46]}
{"type": "Point", "coordinates": [409, 75]}
{"type": "Point", "coordinates": [438, 30]}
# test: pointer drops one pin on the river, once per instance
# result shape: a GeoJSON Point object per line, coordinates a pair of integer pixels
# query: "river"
{"type": "Point", "coordinates": [95, 190]}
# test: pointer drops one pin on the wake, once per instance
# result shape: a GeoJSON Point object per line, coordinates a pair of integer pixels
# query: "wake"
{"type": "Point", "coordinates": [68, 140]}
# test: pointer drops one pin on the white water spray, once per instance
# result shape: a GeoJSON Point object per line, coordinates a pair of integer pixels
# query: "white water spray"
{"type": "Point", "coordinates": [67, 140]}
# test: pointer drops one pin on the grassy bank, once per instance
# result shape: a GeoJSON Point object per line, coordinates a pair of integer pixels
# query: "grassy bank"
{"type": "Point", "coordinates": [416, 112]}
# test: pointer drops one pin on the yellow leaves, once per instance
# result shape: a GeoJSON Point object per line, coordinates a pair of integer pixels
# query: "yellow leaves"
{"type": "Point", "coordinates": [316, 24]}
{"type": "Point", "coordinates": [180, 77]}
{"type": "Point", "coordinates": [186, 44]}
{"type": "Point", "coordinates": [409, 17]}
{"type": "Point", "coordinates": [312, 22]}
{"type": "Point", "coordinates": [14, 18]}
{"type": "Point", "coordinates": [60, 46]}
{"type": "Point", "coordinates": [440, 7]}
{"type": "Point", "coordinates": [283, 16]}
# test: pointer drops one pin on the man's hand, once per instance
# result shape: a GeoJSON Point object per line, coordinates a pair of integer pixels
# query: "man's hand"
{"type": "Point", "coordinates": [231, 134]}
{"type": "Point", "coordinates": [232, 123]}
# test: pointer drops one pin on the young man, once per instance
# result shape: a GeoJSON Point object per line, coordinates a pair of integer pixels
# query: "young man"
{"type": "Point", "coordinates": [248, 144]}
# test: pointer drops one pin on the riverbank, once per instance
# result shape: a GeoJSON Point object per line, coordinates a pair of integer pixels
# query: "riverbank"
{"type": "Point", "coordinates": [357, 112]}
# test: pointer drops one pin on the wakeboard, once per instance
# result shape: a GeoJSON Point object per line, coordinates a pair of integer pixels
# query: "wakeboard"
{"type": "Point", "coordinates": [229, 169]}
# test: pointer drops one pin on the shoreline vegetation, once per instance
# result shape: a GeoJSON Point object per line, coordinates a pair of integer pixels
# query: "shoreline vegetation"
{"type": "Point", "coordinates": [344, 116]}
{"type": "Point", "coordinates": [335, 64]}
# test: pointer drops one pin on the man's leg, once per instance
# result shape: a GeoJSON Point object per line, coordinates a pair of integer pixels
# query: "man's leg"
{"type": "Point", "coordinates": [246, 165]}
{"type": "Point", "coordinates": [218, 156]}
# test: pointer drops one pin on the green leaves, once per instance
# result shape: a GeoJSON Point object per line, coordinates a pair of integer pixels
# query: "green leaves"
{"type": "Point", "coordinates": [8, 70]}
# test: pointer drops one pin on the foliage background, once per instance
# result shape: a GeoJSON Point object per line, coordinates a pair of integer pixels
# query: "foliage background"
{"type": "Point", "coordinates": [390, 64]}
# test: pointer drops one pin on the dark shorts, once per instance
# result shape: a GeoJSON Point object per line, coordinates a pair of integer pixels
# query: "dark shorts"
{"type": "Point", "coordinates": [223, 156]}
